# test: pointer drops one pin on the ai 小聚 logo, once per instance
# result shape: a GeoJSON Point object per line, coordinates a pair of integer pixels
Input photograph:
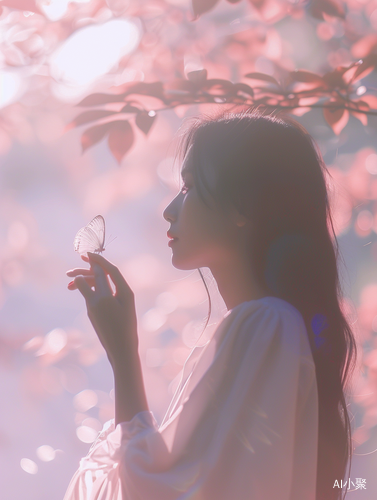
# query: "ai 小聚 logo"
{"type": "Point", "coordinates": [360, 484]}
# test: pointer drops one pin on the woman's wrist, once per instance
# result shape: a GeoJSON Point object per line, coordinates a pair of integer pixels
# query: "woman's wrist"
{"type": "Point", "coordinates": [126, 352]}
{"type": "Point", "coordinates": [130, 397]}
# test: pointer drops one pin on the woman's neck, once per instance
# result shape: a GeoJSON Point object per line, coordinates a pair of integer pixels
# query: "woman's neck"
{"type": "Point", "coordinates": [236, 283]}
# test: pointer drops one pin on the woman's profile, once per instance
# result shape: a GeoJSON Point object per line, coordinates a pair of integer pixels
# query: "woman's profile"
{"type": "Point", "coordinates": [261, 410]}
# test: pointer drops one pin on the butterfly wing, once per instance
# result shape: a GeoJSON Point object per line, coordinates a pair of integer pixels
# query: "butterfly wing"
{"type": "Point", "coordinates": [98, 226]}
{"type": "Point", "coordinates": [91, 238]}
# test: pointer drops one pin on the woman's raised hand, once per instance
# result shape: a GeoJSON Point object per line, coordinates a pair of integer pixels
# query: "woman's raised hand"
{"type": "Point", "coordinates": [112, 315]}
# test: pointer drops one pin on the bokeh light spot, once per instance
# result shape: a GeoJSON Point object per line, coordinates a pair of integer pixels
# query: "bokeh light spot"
{"type": "Point", "coordinates": [86, 434]}
{"type": "Point", "coordinates": [93, 423]}
{"type": "Point", "coordinates": [167, 301]}
{"type": "Point", "coordinates": [29, 466]}
{"type": "Point", "coordinates": [54, 342]}
{"type": "Point", "coordinates": [365, 220]}
{"type": "Point", "coordinates": [10, 85]}
{"type": "Point", "coordinates": [45, 453]}
{"type": "Point", "coordinates": [371, 163]}
{"type": "Point", "coordinates": [85, 400]}
{"type": "Point", "coordinates": [153, 319]}
{"type": "Point", "coordinates": [93, 50]}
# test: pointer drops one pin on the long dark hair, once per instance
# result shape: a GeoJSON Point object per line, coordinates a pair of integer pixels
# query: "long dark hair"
{"type": "Point", "coordinates": [271, 170]}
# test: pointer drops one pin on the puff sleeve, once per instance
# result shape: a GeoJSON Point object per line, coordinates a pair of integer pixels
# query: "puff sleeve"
{"type": "Point", "coordinates": [242, 424]}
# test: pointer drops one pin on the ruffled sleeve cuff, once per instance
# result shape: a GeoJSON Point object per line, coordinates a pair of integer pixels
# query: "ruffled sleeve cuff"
{"type": "Point", "coordinates": [100, 466]}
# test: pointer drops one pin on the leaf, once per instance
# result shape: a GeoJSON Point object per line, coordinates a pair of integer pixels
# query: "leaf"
{"type": "Point", "coordinates": [89, 116]}
{"type": "Point", "coordinates": [332, 8]}
{"type": "Point", "coordinates": [98, 99]}
{"type": "Point", "coordinates": [198, 77]}
{"type": "Point", "coordinates": [334, 79]}
{"type": "Point", "coordinates": [336, 117]}
{"type": "Point", "coordinates": [371, 100]}
{"type": "Point", "coordinates": [363, 47]}
{"type": "Point", "coordinates": [360, 105]}
{"type": "Point", "coordinates": [201, 6]}
{"type": "Point", "coordinates": [144, 121]}
{"type": "Point", "coordinates": [360, 116]}
{"type": "Point", "coordinates": [184, 86]}
{"type": "Point", "coordinates": [263, 77]}
{"type": "Point", "coordinates": [128, 108]}
{"type": "Point", "coordinates": [300, 111]}
{"type": "Point", "coordinates": [243, 87]}
{"type": "Point", "coordinates": [94, 134]}
{"type": "Point", "coordinates": [154, 89]}
{"type": "Point", "coordinates": [306, 76]}
{"type": "Point", "coordinates": [121, 138]}
{"type": "Point", "coordinates": [307, 101]}
{"type": "Point", "coordinates": [365, 67]}
{"type": "Point", "coordinates": [349, 75]}
{"type": "Point", "coordinates": [224, 85]}
{"type": "Point", "coordinates": [257, 3]}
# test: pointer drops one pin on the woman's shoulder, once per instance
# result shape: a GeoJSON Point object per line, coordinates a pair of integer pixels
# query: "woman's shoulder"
{"type": "Point", "coordinates": [275, 317]}
{"type": "Point", "coordinates": [265, 305]}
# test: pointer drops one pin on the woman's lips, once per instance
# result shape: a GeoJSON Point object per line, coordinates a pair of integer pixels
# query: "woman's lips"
{"type": "Point", "coordinates": [170, 243]}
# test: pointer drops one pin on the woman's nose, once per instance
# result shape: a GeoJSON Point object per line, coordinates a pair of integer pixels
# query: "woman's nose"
{"type": "Point", "coordinates": [168, 212]}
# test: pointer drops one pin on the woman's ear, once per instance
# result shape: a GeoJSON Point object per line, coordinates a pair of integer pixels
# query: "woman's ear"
{"type": "Point", "coordinates": [241, 222]}
{"type": "Point", "coordinates": [239, 219]}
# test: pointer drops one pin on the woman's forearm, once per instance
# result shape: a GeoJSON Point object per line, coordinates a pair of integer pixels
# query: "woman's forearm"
{"type": "Point", "coordinates": [130, 397]}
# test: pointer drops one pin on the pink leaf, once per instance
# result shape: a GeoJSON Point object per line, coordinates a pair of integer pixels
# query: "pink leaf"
{"type": "Point", "coordinates": [334, 79]}
{"type": "Point", "coordinates": [258, 4]}
{"type": "Point", "coordinates": [198, 77]}
{"type": "Point", "coordinates": [201, 6]}
{"type": "Point", "coordinates": [144, 121]}
{"type": "Point", "coordinates": [306, 77]}
{"type": "Point", "coordinates": [363, 47]}
{"type": "Point", "coordinates": [128, 108]}
{"type": "Point", "coordinates": [360, 116]}
{"type": "Point", "coordinates": [99, 99]}
{"type": "Point", "coordinates": [243, 87]}
{"type": "Point", "coordinates": [360, 105]}
{"type": "Point", "coordinates": [337, 118]}
{"type": "Point", "coordinates": [181, 85]}
{"type": "Point", "coordinates": [371, 100]}
{"type": "Point", "coordinates": [300, 111]}
{"type": "Point", "coordinates": [332, 8]}
{"type": "Point", "coordinates": [89, 116]}
{"type": "Point", "coordinates": [366, 67]}
{"type": "Point", "coordinates": [94, 134]}
{"type": "Point", "coordinates": [154, 89]}
{"type": "Point", "coordinates": [263, 77]}
{"type": "Point", "coordinates": [121, 138]}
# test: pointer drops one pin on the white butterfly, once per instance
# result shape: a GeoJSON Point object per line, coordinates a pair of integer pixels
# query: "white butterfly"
{"type": "Point", "coordinates": [91, 238]}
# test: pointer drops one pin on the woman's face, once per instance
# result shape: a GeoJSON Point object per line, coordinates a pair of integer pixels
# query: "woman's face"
{"type": "Point", "coordinates": [203, 236]}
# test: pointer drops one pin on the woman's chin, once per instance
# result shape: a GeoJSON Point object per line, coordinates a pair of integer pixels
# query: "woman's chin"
{"type": "Point", "coordinates": [182, 264]}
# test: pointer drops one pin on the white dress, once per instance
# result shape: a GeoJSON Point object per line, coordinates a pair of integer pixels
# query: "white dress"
{"type": "Point", "coordinates": [242, 425]}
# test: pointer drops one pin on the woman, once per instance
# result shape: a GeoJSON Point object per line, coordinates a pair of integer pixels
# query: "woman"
{"type": "Point", "coordinates": [260, 412]}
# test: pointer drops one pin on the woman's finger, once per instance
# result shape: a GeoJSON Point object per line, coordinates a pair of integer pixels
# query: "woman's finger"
{"type": "Point", "coordinates": [84, 288]}
{"type": "Point", "coordinates": [78, 271]}
{"type": "Point", "coordinates": [89, 279]}
{"type": "Point", "coordinates": [101, 282]}
{"type": "Point", "coordinates": [120, 283]}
